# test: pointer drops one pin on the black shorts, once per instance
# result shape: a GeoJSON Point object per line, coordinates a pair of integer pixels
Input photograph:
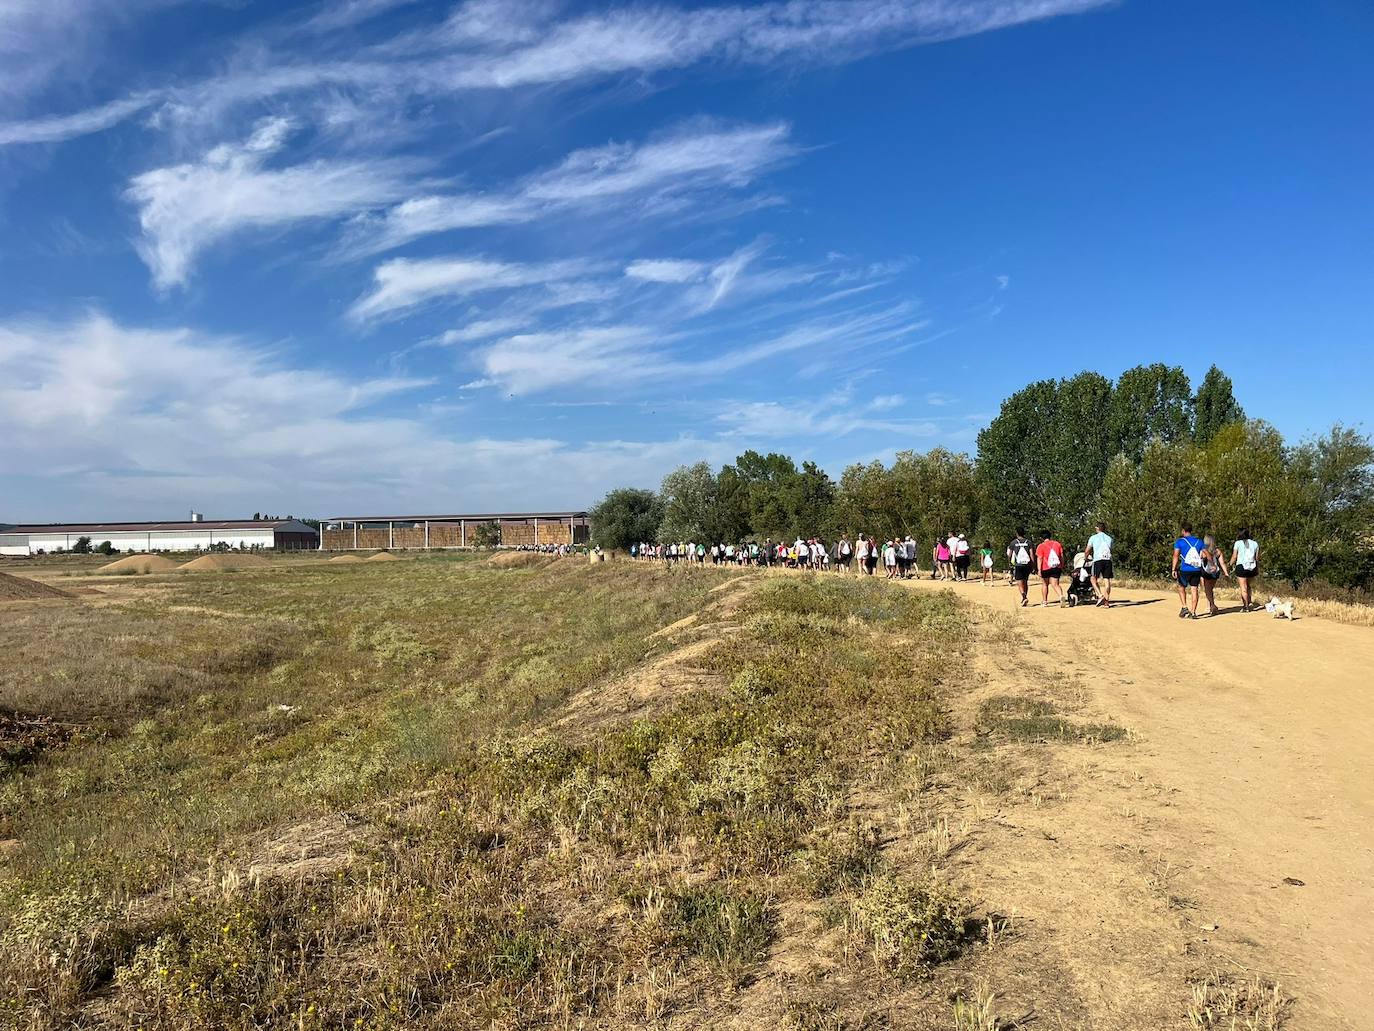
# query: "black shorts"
{"type": "Point", "coordinates": [1247, 574]}
{"type": "Point", "coordinates": [1050, 574]}
{"type": "Point", "coordinates": [961, 562]}
{"type": "Point", "coordinates": [1022, 572]}
{"type": "Point", "coordinates": [1102, 568]}
{"type": "Point", "coordinates": [1186, 579]}
{"type": "Point", "coordinates": [1214, 577]}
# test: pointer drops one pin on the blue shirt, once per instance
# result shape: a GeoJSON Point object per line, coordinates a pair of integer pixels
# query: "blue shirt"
{"type": "Point", "coordinates": [1101, 543]}
{"type": "Point", "coordinates": [1184, 545]}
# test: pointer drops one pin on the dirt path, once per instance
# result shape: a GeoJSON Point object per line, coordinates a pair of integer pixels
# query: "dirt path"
{"type": "Point", "coordinates": [1259, 735]}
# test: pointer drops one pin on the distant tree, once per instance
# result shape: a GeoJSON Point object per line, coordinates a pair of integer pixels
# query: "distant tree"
{"type": "Point", "coordinates": [937, 494]}
{"type": "Point", "coordinates": [690, 498]}
{"type": "Point", "coordinates": [626, 516]}
{"type": "Point", "coordinates": [487, 535]}
{"type": "Point", "coordinates": [1016, 452]}
{"type": "Point", "coordinates": [1215, 406]}
{"type": "Point", "coordinates": [82, 546]}
{"type": "Point", "coordinates": [1338, 470]}
{"type": "Point", "coordinates": [1150, 402]}
{"type": "Point", "coordinates": [869, 501]}
{"type": "Point", "coordinates": [257, 516]}
{"type": "Point", "coordinates": [106, 548]}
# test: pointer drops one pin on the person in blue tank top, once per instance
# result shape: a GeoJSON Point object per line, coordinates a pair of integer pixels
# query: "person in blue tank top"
{"type": "Point", "coordinates": [1190, 553]}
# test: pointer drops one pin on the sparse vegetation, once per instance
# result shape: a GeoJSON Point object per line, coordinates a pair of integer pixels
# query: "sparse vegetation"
{"type": "Point", "coordinates": [1028, 719]}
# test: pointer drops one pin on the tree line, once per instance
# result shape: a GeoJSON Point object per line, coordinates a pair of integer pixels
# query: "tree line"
{"type": "Point", "coordinates": [1144, 453]}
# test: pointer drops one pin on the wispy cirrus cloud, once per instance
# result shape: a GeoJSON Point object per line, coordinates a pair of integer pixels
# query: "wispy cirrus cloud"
{"type": "Point", "coordinates": [508, 46]}
{"type": "Point", "coordinates": [183, 209]}
{"type": "Point", "coordinates": [403, 283]}
{"type": "Point", "coordinates": [695, 158]}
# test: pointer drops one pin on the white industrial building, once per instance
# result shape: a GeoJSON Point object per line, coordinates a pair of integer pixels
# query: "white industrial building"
{"type": "Point", "coordinates": [194, 535]}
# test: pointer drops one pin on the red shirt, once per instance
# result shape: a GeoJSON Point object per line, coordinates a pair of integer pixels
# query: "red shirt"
{"type": "Point", "coordinates": [1043, 553]}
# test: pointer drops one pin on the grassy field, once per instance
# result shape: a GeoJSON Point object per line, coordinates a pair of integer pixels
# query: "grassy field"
{"type": "Point", "coordinates": [436, 793]}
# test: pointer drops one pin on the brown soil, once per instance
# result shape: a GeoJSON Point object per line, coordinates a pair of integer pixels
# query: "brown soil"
{"type": "Point", "coordinates": [23, 737]}
{"type": "Point", "coordinates": [345, 558]}
{"type": "Point", "coordinates": [1250, 771]}
{"type": "Point", "coordinates": [213, 563]}
{"type": "Point", "coordinates": [384, 556]}
{"type": "Point", "coordinates": [16, 588]}
{"type": "Point", "coordinates": [140, 564]}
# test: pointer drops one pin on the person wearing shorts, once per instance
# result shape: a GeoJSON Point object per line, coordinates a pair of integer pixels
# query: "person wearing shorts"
{"type": "Point", "coordinates": [1022, 554]}
{"type": "Point", "coordinates": [871, 562]}
{"type": "Point", "coordinates": [1099, 552]}
{"type": "Point", "coordinates": [1049, 559]}
{"type": "Point", "coordinates": [1245, 568]}
{"type": "Point", "coordinates": [1189, 553]}
{"type": "Point", "coordinates": [985, 562]}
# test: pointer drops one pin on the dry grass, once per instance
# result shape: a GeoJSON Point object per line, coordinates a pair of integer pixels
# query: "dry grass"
{"type": "Point", "coordinates": [492, 874]}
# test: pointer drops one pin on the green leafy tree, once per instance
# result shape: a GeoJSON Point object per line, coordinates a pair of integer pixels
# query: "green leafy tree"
{"type": "Point", "coordinates": [1338, 469]}
{"type": "Point", "coordinates": [626, 516]}
{"type": "Point", "coordinates": [106, 548]}
{"type": "Point", "coordinates": [1150, 402]}
{"type": "Point", "coordinates": [487, 535]}
{"type": "Point", "coordinates": [689, 496]}
{"type": "Point", "coordinates": [1215, 406]}
{"type": "Point", "coordinates": [82, 546]}
{"type": "Point", "coordinates": [937, 494]}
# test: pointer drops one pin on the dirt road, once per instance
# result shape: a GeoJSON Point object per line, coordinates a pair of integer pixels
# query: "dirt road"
{"type": "Point", "coordinates": [1261, 733]}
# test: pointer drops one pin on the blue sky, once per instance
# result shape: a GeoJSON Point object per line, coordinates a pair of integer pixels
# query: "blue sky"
{"type": "Point", "coordinates": [407, 255]}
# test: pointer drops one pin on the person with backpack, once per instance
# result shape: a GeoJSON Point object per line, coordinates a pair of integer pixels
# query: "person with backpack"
{"type": "Point", "coordinates": [1245, 567]}
{"type": "Point", "coordinates": [1049, 559]}
{"type": "Point", "coordinates": [843, 553]}
{"type": "Point", "coordinates": [1189, 555]}
{"type": "Point", "coordinates": [1099, 552]}
{"type": "Point", "coordinates": [1022, 554]}
{"type": "Point", "coordinates": [985, 562]}
{"type": "Point", "coordinates": [1213, 569]}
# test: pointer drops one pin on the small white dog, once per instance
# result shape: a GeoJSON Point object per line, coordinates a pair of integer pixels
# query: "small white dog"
{"type": "Point", "coordinates": [1279, 609]}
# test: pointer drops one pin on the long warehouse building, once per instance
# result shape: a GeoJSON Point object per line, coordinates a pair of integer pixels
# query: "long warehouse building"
{"type": "Point", "coordinates": [373, 533]}
{"type": "Point", "coordinates": [192, 535]}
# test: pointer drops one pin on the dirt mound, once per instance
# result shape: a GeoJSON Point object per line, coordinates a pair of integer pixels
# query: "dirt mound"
{"type": "Point", "coordinates": [384, 556]}
{"type": "Point", "coordinates": [16, 588]}
{"type": "Point", "coordinates": [214, 563]}
{"type": "Point", "coordinates": [518, 560]}
{"type": "Point", "coordinates": [139, 564]}
{"type": "Point", "coordinates": [345, 558]}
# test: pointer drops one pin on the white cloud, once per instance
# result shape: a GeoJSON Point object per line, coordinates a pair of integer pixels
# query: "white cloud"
{"type": "Point", "coordinates": [701, 156]}
{"type": "Point", "coordinates": [186, 208]}
{"type": "Point", "coordinates": [535, 362]}
{"type": "Point", "coordinates": [834, 415]}
{"type": "Point", "coordinates": [403, 283]}
{"type": "Point", "coordinates": [104, 421]}
{"type": "Point", "coordinates": [64, 127]}
{"type": "Point", "coordinates": [666, 270]}
{"type": "Point", "coordinates": [481, 329]}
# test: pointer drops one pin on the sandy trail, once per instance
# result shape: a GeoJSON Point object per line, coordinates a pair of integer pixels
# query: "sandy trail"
{"type": "Point", "coordinates": [1262, 732]}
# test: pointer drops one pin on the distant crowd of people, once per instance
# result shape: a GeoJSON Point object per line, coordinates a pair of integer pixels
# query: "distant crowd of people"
{"type": "Point", "coordinates": [1198, 563]}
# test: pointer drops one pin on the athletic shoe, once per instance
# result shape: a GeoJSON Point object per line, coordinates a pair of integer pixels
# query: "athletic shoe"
{"type": "Point", "coordinates": [1023, 602]}
{"type": "Point", "coordinates": [1182, 613]}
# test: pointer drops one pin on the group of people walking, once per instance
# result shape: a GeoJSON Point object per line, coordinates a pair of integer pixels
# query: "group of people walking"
{"type": "Point", "coordinates": [1198, 563]}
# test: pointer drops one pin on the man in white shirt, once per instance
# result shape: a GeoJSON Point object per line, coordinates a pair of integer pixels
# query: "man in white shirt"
{"type": "Point", "coordinates": [1099, 552]}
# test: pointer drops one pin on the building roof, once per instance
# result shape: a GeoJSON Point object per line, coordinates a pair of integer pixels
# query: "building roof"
{"type": "Point", "coordinates": [290, 525]}
{"type": "Point", "coordinates": [470, 517]}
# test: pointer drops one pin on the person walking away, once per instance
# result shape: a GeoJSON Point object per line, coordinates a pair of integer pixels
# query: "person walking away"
{"type": "Point", "coordinates": [909, 546]}
{"type": "Point", "coordinates": [1049, 559]}
{"type": "Point", "coordinates": [1187, 571]}
{"type": "Point", "coordinates": [1213, 569]}
{"type": "Point", "coordinates": [1245, 567]}
{"type": "Point", "coordinates": [942, 557]}
{"type": "Point", "coordinates": [899, 547]}
{"type": "Point", "coordinates": [871, 563]}
{"type": "Point", "coordinates": [1099, 552]}
{"type": "Point", "coordinates": [844, 552]}
{"type": "Point", "coordinates": [985, 562]}
{"type": "Point", "coordinates": [962, 552]}
{"type": "Point", "coordinates": [890, 560]}
{"type": "Point", "coordinates": [1022, 554]}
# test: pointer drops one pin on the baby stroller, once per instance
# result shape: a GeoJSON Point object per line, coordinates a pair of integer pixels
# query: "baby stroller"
{"type": "Point", "coordinates": [1081, 583]}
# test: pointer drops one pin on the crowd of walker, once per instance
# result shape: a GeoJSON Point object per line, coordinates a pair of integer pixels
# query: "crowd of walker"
{"type": "Point", "coordinates": [1197, 563]}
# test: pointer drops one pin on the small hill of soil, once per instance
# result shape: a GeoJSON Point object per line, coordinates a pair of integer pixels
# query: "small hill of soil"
{"type": "Point", "coordinates": [518, 560]}
{"type": "Point", "coordinates": [139, 564]}
{"type": "Point", "coordinates": [384, 556]}
{"type": "Point", "coordinates": [345, 558]}
{"type": "Point", "coordinates": [214, 563]}
{"type": "Point", "coordinates": [16, 588]}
